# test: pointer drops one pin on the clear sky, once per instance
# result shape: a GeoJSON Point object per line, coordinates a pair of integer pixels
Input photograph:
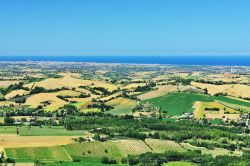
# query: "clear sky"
{"type": "Point", "coordinates": [124, 27]}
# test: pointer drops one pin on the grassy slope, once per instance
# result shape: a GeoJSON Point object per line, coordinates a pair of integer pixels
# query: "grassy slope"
{"type": "Point", "coordinates": [232, 101]}
{"type": "Point", "coordinates": [121, 106]}
{"type": "Point", "coordinates": [53, 153]}
{"type": "Point", "coordinates": [115, 150]}
{"type": "Point", "coordinates": [83, 151]}
{"type": "Point", "coordinates": [160, 146]}
{"type": "Point", "coordinates": [177, 103]}
{"type": "Point", "coordinates": [93, 149]}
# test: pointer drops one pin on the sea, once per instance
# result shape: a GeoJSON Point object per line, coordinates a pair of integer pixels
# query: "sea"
{"type": "Point", "coordinates": [174, 60]}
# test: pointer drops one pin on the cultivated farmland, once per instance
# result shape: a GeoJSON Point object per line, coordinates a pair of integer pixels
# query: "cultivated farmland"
{"type": "Point", "coordinates": [54, 153]}
{"type": "Point", "coordinates": [178, 103]}
{"type": "Point", "coordinates": [160, 146]}
{"type": "Point", "coordinates": [160, 91]}
{"type": "Point", "coordinates": [14, 93]}
{"type": "Point", "coordinates": [12, 140]}
{"type": "Point", "coordinates": [121, 106]}
{"type": "Point", "coordinates": [40, 98]}
{"type": "Point", "coordinates": [4, 84]}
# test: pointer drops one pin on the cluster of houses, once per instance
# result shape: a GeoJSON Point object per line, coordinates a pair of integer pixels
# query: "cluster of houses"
{"type": "Point", "coordinates": [243, 120]}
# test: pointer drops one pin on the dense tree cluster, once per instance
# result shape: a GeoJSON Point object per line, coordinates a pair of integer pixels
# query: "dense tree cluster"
{"type": "Point", "coordinates": [157, 159]}
{"type": "Point", "coordinates": [176, 131]}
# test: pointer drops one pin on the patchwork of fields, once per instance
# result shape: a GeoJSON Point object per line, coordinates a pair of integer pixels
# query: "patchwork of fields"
{"type": "Point", "coordinates": [236, 90]}
{"type": "Point", "coordinates": [179, 103]}
{"type": "Point", "coordinates": [76, 114]}
{"type": "Point", "coordinates": [114, 149]}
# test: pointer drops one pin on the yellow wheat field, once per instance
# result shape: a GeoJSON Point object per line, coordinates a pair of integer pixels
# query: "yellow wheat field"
{"type": "Point", "coordinates": [14, 141]}
{"type": "Point", "coordinates": [236, 90]}
{"type": "Point", "coordinates": [161, 90]}
{"type": "Point", "coordinates": [70, 81]}
{"type": "Point", "coordinates": [134, 85]}
{"type": "Point", "coordinates": [224, 112]}
{"type": "Point", "coordinates": [14, 93]}
{"type": "Point", "coordinates": [68, 93]}
{"type": "Point", "coordinates": [5, 84]}
{"type": "Point", "coordinates": [38, 99]}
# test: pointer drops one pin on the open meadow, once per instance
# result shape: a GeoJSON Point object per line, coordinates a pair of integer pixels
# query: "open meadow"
{"type": "Point", "coordinates": [178, 103]}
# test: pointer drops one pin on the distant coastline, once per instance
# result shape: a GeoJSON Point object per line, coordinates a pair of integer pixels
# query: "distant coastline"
{"type": "Point", "coordinates": [174, 60]}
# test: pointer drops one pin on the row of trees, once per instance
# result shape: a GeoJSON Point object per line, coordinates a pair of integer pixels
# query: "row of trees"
{"type": "Point", "coordinates": [157, 159]}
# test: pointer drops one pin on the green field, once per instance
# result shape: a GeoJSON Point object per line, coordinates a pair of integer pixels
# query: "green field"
{"type": "Point", "coordinates": [232, 101]}
{"type": "Point", "coordinates": [121, 106]}
{"type": "Point", "coordinates": [118, 150]}
{"type": "Point", "coordinates": [161, 146]}
{"type": "Point", "coordinates": [78, 104]}
{"type": "Point", "coordinates": [120, 111]}
{"type": "Point", "coordinates": [53, 153]}
{"type": "Point", "coordinates": [216, 121]}
{"type": "Point", "coordinates": [38, 131]}
{"type": "Point", "coordinates": [178, 103]}
{"type": "Point", "coordinates": [94, 149]}
{"type": "Point", "coordinates": [89, 152]}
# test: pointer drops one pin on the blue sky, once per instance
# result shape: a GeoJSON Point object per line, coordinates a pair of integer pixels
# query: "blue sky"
{"type": "Point", "coordinates": [124, 27]}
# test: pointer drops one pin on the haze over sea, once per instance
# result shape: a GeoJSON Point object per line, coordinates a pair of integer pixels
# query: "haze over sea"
{"type": "Point", "coordinates": [177, 60]}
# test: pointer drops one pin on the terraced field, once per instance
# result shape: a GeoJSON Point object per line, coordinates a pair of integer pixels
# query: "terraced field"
{"type": "Point", "coordinates": [53, 153]}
